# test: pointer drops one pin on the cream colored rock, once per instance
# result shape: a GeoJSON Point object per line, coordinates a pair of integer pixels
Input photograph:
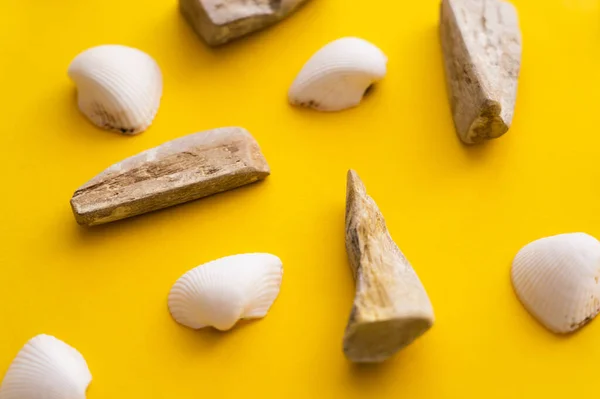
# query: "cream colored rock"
{"type": "Point", "coordinates": [46, 368]}
{"type": "Point", "coordinates": [118, 88]}
{"type": "Point", "coordinates": [221, 292]}
{"type": "Point", "coordinates": [181, 170]}
{"type": "Point", "coordinates": [338, 75]}
{"type": "Point", "coordinates": [481, 43]}
{"type": "Point", "coordinates": [557, 279]}
{"type": "Point", "coordinates": [221, 21]}
{"type": "Point", "coordinates": [391, 308]}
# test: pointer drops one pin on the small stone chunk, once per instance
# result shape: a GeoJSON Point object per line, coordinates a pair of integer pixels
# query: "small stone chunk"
{"type": "Point", "coordinates": [391, 308]}
{"type": "Point", "coordinates": [181, 170]}
{"type": "Point", "coordinates": [481, 42]}
{"type": "Point", "coordinates": [221, 21]}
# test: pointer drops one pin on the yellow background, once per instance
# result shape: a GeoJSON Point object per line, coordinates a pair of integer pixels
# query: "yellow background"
{"type": "Point", "coordinates": [458, 213]}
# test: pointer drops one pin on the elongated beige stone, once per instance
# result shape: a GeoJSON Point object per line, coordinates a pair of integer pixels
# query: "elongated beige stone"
{"type": "Point", "coordinates": [220, 21]}
{"type": "Point", "coordinates": [481, 42]}
{"type": "Point", "coordinates": [391, 308]}
{"type": "Point", "coordinates": [181, 170]}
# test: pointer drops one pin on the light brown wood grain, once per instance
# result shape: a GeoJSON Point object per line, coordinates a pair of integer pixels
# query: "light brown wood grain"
{"type": "Point", "coordinates": [391, 308]}
{"type": "Point", "coordinates": [481, 44]}
{"type": "Point", "coordinates": [181, 170]}
{"type": "Point", "coordinates": [221, 21]}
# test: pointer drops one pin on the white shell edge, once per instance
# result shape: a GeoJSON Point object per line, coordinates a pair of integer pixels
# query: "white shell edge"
{"type": "Point", "coordinates": [46, 368]}
{"type": "Point", "coordinates": [557, 279]}
{"type": "Point", "coordinates": [337, 76]}
{"type": "Point", "coordinates": [223, 291]}
{"type": "Point", "coordinates": [119, 88]}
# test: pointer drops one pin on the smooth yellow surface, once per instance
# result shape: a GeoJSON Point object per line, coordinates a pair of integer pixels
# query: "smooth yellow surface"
{"type": "Point", "coordinates": [458, 213]}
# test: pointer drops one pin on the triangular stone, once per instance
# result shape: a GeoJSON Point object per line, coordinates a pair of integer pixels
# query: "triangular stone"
{"type": "Point", "coordinates": [481, 42]}
{"type": "Point", "coordinates": [220, 21]}
{"type": "Point", "coordinates": [391, 308]}
{"type": "Point", "coordinates": [181, 170]}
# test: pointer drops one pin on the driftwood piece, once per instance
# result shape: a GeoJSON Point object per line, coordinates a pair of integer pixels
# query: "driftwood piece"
{"type": "Point", "coordinates": [481, 43]}
{"type": "Point", "coordinates": [391, 308]}
{"type": "Point", "coordinates": [181, 170]}
{"type": "Point", "coordinates": [221, 21]}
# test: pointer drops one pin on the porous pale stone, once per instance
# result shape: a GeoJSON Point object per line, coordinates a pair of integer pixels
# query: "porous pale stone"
{"type": "Point", "coordinates": [391, 308]}
{"type": "Point", "coordinates": [481, 42]}
{"type": "Point", "coordinates": [181, 170]}
{"type": "Point", "coordinates": [220, 21]}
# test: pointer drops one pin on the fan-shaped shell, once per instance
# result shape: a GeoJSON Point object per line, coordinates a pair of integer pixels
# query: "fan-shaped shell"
{"type": "Point", "coordinates": [338, 75]}
{"type": "Point", "coordinates": [557, 280]}
{"type": "Point", "coordinates": [119, 88]}
{"type": "Point", "coordinates": [221, 292]}
{"type": "Point", "coordinates": [46, 368]}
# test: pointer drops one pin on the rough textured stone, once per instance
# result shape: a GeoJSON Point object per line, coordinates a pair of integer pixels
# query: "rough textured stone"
{"type": "Point", "coordinates": [481, 42]}
{"type": "Point", "coordinates": [220, 21]}
{"type": "Point", "coordinates": [181, 170]}
{"type": "Point", "coordinates": [391, 308]}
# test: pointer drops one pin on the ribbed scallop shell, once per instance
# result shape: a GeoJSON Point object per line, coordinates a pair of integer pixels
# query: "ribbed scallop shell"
{"type": "Point", "coordinates": [337, 76]}
{"type": "Point", "coordinates": [46, 368]}
{"type": "Point", "coordinates": [119, 88]}
{"type": "Point", "coordinates": [557, 280]}
{"type": "Point", "coordinates": [221, 292]}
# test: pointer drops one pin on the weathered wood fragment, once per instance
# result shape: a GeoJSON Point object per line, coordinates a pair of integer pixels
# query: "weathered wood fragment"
{"type": "Point", "coordinates": [181, 170]}
{"type": "Point", "coordinates": [481, 42]}
{"type": "Point", "coordinates": [391, 308]}
{"type": "Point", "coordinates": [220, 21]}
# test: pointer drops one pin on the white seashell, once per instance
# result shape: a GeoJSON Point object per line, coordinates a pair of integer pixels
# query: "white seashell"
{"type": "Point", "coordinates": [337, 76]}
{"type": "Point", "coordinates": [46, 368]}
{"type": "Point", "coordinates": [557, 280]}
{"type": "Point", "coordinates": [119, 88]}
{"type": "Point", "coordinates": [221, 292]}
